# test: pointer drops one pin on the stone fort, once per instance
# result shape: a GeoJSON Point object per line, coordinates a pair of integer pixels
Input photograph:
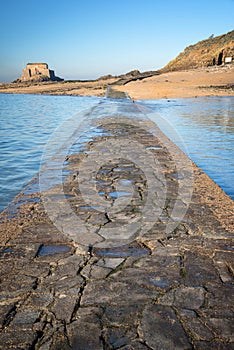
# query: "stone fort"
{"type": "Point", "coordinates": [38, 71]}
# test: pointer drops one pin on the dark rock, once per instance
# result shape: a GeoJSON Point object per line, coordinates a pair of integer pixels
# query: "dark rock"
{"type": "Point", "coordinates": [199, 269]}
{"type": "Point", "coordinates": [162, 330]}
{"type": "Point", "coordinates": [84, 335]}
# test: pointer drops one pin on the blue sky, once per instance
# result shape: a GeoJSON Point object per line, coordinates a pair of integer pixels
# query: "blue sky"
{"type": "Point", "coordinates": [84, 39]}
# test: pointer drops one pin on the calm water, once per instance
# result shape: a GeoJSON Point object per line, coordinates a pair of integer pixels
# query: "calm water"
{"type": "Point", "coordinates": [206, 125]}
{"type": "Point", "coordinates": [26, 122]}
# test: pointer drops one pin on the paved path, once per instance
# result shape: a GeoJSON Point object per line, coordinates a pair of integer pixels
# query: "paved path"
{"type": "Point", "coordinates": [132, 250]}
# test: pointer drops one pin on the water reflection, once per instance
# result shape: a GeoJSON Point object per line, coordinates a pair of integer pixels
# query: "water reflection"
{"type": "Point", "coordinates": [206, 125]}
{"type": "Point", "coordinates": [26, 123]}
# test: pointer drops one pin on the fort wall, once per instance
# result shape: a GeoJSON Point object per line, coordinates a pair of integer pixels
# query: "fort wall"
{"type": "Point", "coordinates": [38, 71]}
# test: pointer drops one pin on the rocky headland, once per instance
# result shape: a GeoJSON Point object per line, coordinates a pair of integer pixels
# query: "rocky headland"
{"type": "Point", "coordinates": [213, 51]}
{"type": "Point", "coordinates": [203, 69]}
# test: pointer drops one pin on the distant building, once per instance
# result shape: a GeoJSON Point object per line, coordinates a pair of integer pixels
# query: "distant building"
{"type": "Point", "coordinates": [228, 60]}
{"type": "Point", "coordinates": [38, 71]}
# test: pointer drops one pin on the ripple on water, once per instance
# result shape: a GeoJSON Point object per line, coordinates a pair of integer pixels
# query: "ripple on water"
{"type": "Point", "coordinates": [205, 127]}
{"type": "Point", "coordinates": [25, 131]}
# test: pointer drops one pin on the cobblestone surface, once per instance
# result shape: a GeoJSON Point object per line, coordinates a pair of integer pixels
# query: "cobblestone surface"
{"type": "Point", "coordinates": [160, 290]}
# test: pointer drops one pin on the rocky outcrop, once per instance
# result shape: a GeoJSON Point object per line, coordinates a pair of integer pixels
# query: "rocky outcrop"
{"type": "Point", "coordinates": [126, 78]}
{"type": "Point", "coordinates": [210, 52]}
{"type": "Point", "coordinates": [133, 76]}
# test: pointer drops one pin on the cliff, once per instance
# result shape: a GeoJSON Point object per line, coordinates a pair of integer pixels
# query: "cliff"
{"type": "Point", "coordinates": [210, 52]}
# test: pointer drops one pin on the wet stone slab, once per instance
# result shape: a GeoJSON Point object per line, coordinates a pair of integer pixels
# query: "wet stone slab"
{"type": "Point", "coordinates": [45, 250]}
{"type": "Point", "coordinates": [71, 279]}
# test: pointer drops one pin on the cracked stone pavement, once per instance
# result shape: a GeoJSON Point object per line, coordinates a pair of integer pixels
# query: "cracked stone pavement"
{"type": "Point", "coordinates": [157, 290]}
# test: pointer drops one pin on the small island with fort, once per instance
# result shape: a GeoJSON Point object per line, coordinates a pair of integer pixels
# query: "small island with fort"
{"type": "Point", "coordinates": [38, 72]}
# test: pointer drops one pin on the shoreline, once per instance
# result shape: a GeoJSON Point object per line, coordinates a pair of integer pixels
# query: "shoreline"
{"type": "Point", "coordinates": [120, 90]}
{"type": "Point", "coordinates": [211, 81]}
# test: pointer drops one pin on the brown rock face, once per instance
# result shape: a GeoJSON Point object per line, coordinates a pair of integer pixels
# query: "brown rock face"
{"type": "Point", "coordinates": [209, 52]}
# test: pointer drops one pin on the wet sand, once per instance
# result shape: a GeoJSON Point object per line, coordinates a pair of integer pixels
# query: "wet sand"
{"type": "Point", "coordinates": [79, 88]}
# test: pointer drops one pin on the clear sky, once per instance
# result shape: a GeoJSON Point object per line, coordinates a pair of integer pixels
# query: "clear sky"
{"type": "Point", "coordinates": [82, 39]}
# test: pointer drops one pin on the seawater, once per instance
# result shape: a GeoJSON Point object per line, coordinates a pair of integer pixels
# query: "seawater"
{"type": "Point", "coordinates": [26, 124]}
{"type": "Point", "coordinates": [206, 126]}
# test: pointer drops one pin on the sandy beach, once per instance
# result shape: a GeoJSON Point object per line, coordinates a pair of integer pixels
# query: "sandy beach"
{"type": "Point", "coordinates": [214, 81]}
{"type": "Point", "coordinates": [211, 81]}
